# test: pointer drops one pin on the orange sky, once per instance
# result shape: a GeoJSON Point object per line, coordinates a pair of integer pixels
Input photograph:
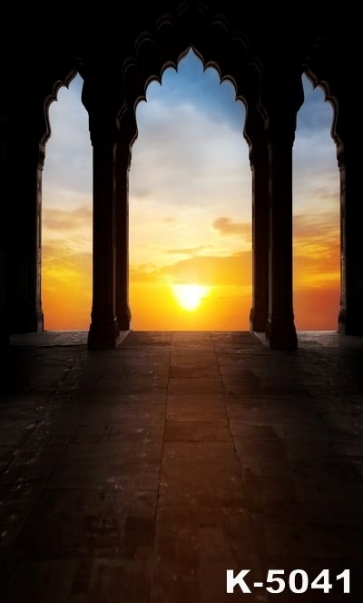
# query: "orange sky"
{"type": "Point", "coordinates": [190, 210]}
{"type": "Point", "coordinates": [225, 306]}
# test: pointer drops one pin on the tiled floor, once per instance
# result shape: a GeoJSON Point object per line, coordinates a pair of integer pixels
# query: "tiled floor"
{"type": "Point", "coordinates": [141, 474]}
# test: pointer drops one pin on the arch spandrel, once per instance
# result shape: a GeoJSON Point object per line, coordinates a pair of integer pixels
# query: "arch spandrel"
{"type": "Point", "coordinates": [321, 71]}
{"type": "Point", "coordinates": [154, 54]}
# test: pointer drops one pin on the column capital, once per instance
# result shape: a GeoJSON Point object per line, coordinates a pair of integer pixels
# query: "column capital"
{"type": "Point", "coordinates": [102, 138]}
{"type": "Point", "coordinates": [255, 135]}
{"type": "Point", "coordinates": [281, 99]}
{"type": "Point", "coordinates": [126, 136]}
{"type": "Point", "coordinates": [280, 129]}
{"type": "Point", "coordinates": [103, 130]}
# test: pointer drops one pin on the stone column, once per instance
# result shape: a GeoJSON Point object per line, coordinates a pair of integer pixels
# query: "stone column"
{"type": "Point", "coordinates": [350, 320]}
{"type": "Point", "coordinates": [24, 258]}
{"type": "Point", "coordinates": [4, 326]}
{"type": "Point", "coordinates": [280, 329]}
{"type": "Point", "coordinates": [255, 134]}
{"type": "Point", "coordinates": [103, 331]}
{"type": "Point", "coordinates": [123, 161]}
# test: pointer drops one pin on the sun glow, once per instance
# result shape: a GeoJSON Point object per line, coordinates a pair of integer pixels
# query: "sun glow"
{"type": "Point", "coordinates": [190, 297]}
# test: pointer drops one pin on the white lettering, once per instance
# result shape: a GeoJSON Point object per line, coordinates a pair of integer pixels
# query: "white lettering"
{"type": "Point", "coordinates": [232, 581]}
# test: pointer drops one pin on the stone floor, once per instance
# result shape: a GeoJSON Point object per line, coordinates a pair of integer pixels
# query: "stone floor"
{"type": "Point", "coordinates": [142, 474]}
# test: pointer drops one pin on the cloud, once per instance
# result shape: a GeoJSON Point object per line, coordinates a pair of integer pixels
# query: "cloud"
{"type": "Point", "coordinates": [192, 251]}
{"type": "Point", "coordinates": [145, 273]}
{"type": "Point", "coordinates": [67, 220]}
{"type": "Point", "coordinates": [316, 250]}
{"type": "Point", "coordinates": [66, 286]}
{"type": "Point", "coordinates": [68, 228]}
{"type": "Point", "coordinates": [61, 263]}
{"type": "Point", "coordinates": [323, 226]}
{"type": "Point", "coordinates": [227, 227]}
{"type": "Point", "coordinates": [234, 270]}
{"type": "Point", "coordinates": [187, 157]}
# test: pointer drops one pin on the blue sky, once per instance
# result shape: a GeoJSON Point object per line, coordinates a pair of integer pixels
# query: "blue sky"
{"type": "Point", "coordinates": [169, 115]}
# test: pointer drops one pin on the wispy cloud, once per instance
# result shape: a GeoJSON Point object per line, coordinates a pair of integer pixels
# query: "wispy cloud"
{"type": "Point", "coordinates": [67, 220]}
{"type": "Point", "coordinates": [233, 270]}
{"type": "Point", "coordinates": [184, 155]}
{"type": "Point", "coordinates": [323, 225]}
{"type": "Point", "coordinates": [61, 263]}
{"type": "Point", "coordinates": [191, 251]}
{"type": "Point", "coordinates": [316, 249]}
{"type": "Point", "coordinates": [227, 227]}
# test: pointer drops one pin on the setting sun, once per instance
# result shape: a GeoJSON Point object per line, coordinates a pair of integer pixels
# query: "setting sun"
{"type": "Point", "coordinates": [190, 296]}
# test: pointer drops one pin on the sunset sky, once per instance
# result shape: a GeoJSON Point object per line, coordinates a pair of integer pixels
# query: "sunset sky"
{"type": "Point", "coordinates": [190, 209]}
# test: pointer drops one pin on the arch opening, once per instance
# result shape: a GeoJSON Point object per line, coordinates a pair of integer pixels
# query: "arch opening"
{"type": "Point", "coordinates": [67, 214]}
{"type": "Point", "coordinates": [316, 217]}
{"type": "Point", "coordinates": [190, 205]}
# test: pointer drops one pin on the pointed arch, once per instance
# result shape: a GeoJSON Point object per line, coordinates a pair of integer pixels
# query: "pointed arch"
{"type": "Point", "coordinates": [228, 225]}
{"type": "Point", "coordinates": [67, 213]}
{"type": "Point", "coordinates": [316, 216]}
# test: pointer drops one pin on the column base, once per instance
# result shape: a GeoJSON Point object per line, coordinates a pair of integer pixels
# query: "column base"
{"type": "Point", "coordinates": [103, 335]}
{"type": "Point", "coordinates": [350, 322]}
{"type": "Point", "coordinates": [124, 319]}
{"type": "Point", "coordinates": [281, 334]}
{"type": "Point", "coordinates": [258, 319]}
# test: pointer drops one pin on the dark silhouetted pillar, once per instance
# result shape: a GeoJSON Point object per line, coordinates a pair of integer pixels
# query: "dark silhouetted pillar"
{"type": "Point", "coordinates": [280, 329]}
{"type": "Point", "coordinates": [24, 249]}
{"type": "Point", "coordinates": [4, 323]}
{"type": "Point", "coordinates": [103, 331]}
{"type": "Point", "coordinates": [123, 160]}
{"type": "Point", "coordinates": [350, 321]}
{"type": "Point", "coordinates": [254, 133]}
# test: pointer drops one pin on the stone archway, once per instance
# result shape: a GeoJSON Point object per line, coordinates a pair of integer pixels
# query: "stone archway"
{"type": "Point", "coordinates": [337, 92]}
{"type": "Point", "coordinates": [270, 134]}
{"type": "Point", "coordinates": [263, 58]}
